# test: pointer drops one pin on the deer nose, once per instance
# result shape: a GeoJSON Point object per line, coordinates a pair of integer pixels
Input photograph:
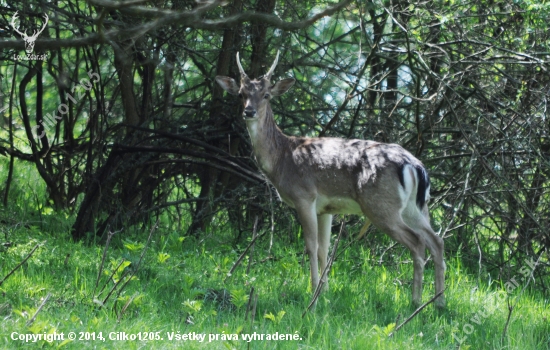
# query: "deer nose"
{"type": "Point", "coordinates": [249, 112]}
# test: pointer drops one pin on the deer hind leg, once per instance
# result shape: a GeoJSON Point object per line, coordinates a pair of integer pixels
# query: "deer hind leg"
{"type": "Point", "coordinates": [393, 225]}
{"type": "Point", "coordinates": [417, 246]}
{"type": "Point", "coordinates": [419, 220]}
{"type": "Point", "coordinates": [405, 235]}
{"type": "Point", "coordinates": [436, 247]}
{"type": "Point", "coordinates": [324, 223]}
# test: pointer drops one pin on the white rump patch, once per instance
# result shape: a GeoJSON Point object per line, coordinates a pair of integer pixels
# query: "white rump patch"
{"type": "Point", "coordinates": [407, 193]}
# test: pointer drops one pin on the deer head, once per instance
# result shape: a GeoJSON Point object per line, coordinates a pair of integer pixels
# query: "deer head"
{"type": "Point", "coordinates": [255, 94]}
{"type": "Point", "coordinates": [29, 40]}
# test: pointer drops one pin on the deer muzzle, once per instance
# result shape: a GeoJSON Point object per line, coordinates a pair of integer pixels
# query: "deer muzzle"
{"type": "Point", "coordinates": [249, 112]}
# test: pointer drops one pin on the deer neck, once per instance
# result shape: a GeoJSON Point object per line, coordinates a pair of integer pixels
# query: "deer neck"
{"type": "Point", "coordinates": [268, 141]}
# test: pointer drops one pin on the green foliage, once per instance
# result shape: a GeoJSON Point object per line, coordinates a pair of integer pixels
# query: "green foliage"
{"type": "Point", "coordinates": [117, 269]}
{"type": "Point", "coordinates": [239, 297]}
{"type": "Point", "coordinates": [384, 332]}
{"type": "Point", "coordinates": [192, 306]}
{"type": "Point", "coordinates": [162, 257]}
{"type": "Point", "coordinates": [275, 318]}
{"type": "Point", "coordinates": [364, 304]}
{"type": "Point", "coordinates": [134, 246]}
{"type": "Point", "coordinates": [126, 300]}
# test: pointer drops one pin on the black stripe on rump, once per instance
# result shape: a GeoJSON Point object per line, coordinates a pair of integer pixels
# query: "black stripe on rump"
{"type": "Point", "coordinates": [423, 182]}
{"type": "Point", "coordinates": [401, 176]}
{"type": "Point", "coordinates": [423, 185]}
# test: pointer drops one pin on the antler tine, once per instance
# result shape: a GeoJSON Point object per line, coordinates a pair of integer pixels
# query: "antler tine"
{"type": "Point", "coordinates": [37, 32]}
{"type": "Point", "coordinates": [46, 23]}
{"type": "Point", "coordinates": [272, 69]}
{"type": "Point", "coordinates": [243, 74]}
{"type": "Point", "coordinates": [13, 18]}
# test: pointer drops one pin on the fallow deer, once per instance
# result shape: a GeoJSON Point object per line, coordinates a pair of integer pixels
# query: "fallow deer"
{"type": "Point", "coordinates": [323, 176]}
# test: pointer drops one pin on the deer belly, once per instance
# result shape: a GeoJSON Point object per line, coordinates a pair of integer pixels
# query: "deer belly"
{"type": "Point", "coordinates": [337, 205]}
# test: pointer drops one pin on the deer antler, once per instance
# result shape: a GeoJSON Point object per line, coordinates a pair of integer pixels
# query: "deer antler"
{"type": "Point", "coordinates": [35, 34]}
{"type": "Point", "coordinates": [272, 69]}
{"type": "Point", "coordinates": [241, 70]}
{"type": "Point", "coordinates": [14, 17]}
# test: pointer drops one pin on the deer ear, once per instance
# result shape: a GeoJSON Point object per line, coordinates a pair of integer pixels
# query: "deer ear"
{"type": "Point", "coordinates": [282, 86]}
{"type": "Point", "coordinates": [228, 84]}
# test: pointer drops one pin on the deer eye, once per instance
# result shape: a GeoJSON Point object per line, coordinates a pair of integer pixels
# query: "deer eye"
{"type": "Point", "coordinates": [266, 96]}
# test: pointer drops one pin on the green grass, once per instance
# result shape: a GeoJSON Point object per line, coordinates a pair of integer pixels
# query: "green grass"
{"type": "Point", "coordinates": [179, 289]}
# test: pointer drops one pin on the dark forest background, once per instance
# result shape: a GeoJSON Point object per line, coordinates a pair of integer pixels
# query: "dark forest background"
{"type": "Point", "coordinates": [136, 130]}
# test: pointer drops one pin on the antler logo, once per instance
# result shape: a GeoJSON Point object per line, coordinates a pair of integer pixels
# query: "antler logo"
{"type": "Point", "coordinates": [29, 40]}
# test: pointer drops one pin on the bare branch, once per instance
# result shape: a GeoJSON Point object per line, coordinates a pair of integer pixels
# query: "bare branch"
{"type": "Point", "coordinates": [416, 312]}
{"type": "Point", "coordinates": [31, 321]}
{"type": "Point", "coordinates": [20, 264]}
{"type": "Point", "coordinates": [190, 19]}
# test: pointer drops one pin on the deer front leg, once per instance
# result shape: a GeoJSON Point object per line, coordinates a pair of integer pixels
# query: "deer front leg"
{"type": "Point", "coordinates": [324, 223]}
{"type": "Point", "coordinates": [308, 218]}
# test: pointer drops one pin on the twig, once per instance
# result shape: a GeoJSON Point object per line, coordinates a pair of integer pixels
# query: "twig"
{"type": "Point", "coordinates": [272, 220]}
{"type": "Point", "coordinates": [20, 264]}
{"type": "Point", "coordinates": [135, 269]}
{"type": "Point", "coordinates": [111, 277]}
{"type": "Point", "coordinates": [123, 310]}
{"type": "Point", "coordinates": [510, 310]}
{"type": "Point", "coordinates": [241, 257]}
{"type": "Point", "coordinates": [250, 296]}
{"type": "Point", "coordinates": [29, 322]}
{"type": "Point", "coordinates": [385, 251]}
{"type": "Point", "coordinates": [476, 239]}
{"type": "Point", "coordinates": [317, 292]}
{"type": "Point", "coordinates": [254, 310]}
{"type": "Point", "coordinates": [417, 311]}
{"type": "Point", "coordinates": [254, 233]}
{"type": "Point", "coordinates": [362, 234]}
{"type": "Point", "coordinates": [115, 285]}
{"type": "Point", "coordinates": [109, 237]}
{"type": "Point", "coordinates": [398, 318]}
